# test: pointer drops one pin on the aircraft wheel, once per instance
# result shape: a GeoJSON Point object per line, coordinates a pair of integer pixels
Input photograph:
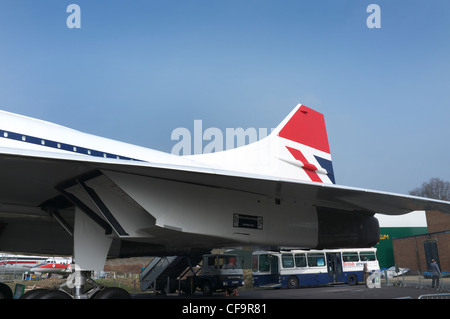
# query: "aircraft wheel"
{"type": "Point", "coordinates": [54, 294]}
{"type": "Point", "coordinates": [5, 292]}
{"type": "Point", "coordinates": [33, 294]}
{"type": "Point", "coordinates": [112, 293]}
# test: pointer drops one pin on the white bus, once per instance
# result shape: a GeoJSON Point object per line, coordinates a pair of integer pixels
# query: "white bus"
{"type": "Point", "coordinates": [294, 268]}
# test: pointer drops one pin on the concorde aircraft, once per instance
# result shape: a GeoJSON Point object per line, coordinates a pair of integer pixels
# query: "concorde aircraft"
{"type": "Point", "coordinates": [64, 192]}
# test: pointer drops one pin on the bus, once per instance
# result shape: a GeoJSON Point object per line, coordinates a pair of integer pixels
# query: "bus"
{"type": "Point", "coordinates": [295, 268]}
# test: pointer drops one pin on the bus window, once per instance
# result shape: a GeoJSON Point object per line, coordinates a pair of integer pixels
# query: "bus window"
{"type": "Point", "coordinates": [316, 260]}
{"type": "Point", "coordinates": [264, 262]}
{"type": "Point", "coordinates": [300, 260]}
{"type": "Point", "coordinates": [350, 256]}
{"type": "Point", "coordinates": [287, 261]}
{"type": "Point", "coordinates": [367, 256]}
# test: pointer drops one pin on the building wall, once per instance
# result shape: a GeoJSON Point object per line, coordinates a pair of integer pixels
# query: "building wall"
{"type": "Point", "coordinates": [410, 251]}
{"type": "Point", "coordinates": [437, 221]}
{"type": "Point", "coordinates": [385, 250]}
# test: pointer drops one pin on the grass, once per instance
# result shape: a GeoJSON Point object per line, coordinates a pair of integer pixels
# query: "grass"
{"type": "Point", "coordinates": [129, 284]}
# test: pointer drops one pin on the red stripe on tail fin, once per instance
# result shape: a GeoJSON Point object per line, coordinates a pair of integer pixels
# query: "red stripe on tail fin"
{"type": "Point", "coordinates": [307, 127]}
{"type": "Point", "coordinates": [310, 169]}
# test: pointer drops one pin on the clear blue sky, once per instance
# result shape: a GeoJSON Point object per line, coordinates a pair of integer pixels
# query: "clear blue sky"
{"type": "Point", "coordinates": [136, 70]}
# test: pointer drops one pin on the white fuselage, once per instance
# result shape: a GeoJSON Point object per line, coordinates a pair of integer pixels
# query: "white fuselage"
{"type": "Point", "coordinates": [153, 208]}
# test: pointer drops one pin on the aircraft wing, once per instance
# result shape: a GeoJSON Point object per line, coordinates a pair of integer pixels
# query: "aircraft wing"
{"type": "Point", "coordinates": [29, 178]}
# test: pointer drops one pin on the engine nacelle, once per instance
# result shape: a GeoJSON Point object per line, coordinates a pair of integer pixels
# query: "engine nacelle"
{"type": "Point", "coordinates": [346, 229]}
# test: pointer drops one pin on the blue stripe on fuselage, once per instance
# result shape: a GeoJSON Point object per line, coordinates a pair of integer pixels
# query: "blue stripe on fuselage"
{"type": "Point", "coordinates": [61, 146]}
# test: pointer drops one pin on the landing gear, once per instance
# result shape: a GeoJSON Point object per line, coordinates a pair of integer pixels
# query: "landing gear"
{"type": "Point", "coordinates": [79, 285]}
{"type": "Point", "coordinates": [112, 293]}
{"type": "Point", "coordinates": [46, 294]}
{"type": "Point", "coordinates": [5, 292]}
{"type": "Point", "coordinates": [105, 293]}
{"type": "Point", "coordinates": [79, 280]}
{"type": "Point", "coordinates": [91, 246]}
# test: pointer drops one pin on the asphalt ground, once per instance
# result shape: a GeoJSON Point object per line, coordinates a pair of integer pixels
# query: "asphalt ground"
{"type": "Point", "coordinates": [333, 300]}
{"type": "Point", "coordinates": [407, 288]}
{"type": "Point", "coordinates": [327, 293]}
{"type": "Point", "coordinates": [323, 301]}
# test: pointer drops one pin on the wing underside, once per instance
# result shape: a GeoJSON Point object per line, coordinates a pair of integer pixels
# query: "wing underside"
{"type": "Point", "coordinates": [31, 178]}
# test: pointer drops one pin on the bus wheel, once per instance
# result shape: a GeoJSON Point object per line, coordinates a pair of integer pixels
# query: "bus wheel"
{"type": "Point", "coordinates": [292, 282]}
{"type": "Point", "coordinates": [352, 280]}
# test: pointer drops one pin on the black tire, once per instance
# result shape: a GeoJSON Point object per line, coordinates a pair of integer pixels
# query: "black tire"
{"type": "Point", "coordinates": [54, 294]}
{"type": "Point", "coordinates": [33, 294]}
{"type": "Point", "coordinates": [352, 280]}
{"type": "Point", "coordinates": [292, 282]}
{"type": "Point", "coordinates": [112, 293]}
{"type": "Point", "coordinates": [5, 292]}
{"type": "Point", "coordinates": [207, 288]}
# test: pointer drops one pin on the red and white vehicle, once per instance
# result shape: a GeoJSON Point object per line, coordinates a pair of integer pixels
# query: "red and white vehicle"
{"type": "Point", "coordinates": [54, 265]}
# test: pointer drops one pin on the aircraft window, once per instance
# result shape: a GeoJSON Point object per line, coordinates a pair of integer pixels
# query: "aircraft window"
{"type": "Point", "coordinates": [5, 134]}
{"type": "Point", "coordinates": [42, 142]}
{"type": "Point", "coordinates": [58, 145]}
{"type": "Point", "coordinates": [104, 155]}
{"type": "Point", "coordinates": [89, 152]}
{"type": "Point", "coordinates": [74, 149]}
{"type": "Point", "coordinates": [24, 138]}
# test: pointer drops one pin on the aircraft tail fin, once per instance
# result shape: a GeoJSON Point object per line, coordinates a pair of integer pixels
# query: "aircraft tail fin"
{"type": "Point", "coordinates": [297, 148]}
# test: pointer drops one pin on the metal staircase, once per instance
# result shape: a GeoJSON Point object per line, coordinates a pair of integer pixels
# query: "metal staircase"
{"type": "Point", "coordinates": [162, 272]}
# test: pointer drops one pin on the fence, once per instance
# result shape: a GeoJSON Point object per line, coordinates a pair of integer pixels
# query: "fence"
{"type": "Point", "coordinates": [417, 281]}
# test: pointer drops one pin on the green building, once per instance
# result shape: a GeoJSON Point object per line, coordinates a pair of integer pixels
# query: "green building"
{"type": "Point", "coordinates": [397, 226]}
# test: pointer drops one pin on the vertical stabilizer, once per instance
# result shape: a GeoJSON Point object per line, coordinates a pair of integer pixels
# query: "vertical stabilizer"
{"type": "Point", "coordinates": [298, 149]}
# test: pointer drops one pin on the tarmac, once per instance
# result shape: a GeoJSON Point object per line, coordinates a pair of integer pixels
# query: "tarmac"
{"type": "Point", "coordinates": [409, 287]}
{"type": "Point", "coordinates": [318, 301]}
